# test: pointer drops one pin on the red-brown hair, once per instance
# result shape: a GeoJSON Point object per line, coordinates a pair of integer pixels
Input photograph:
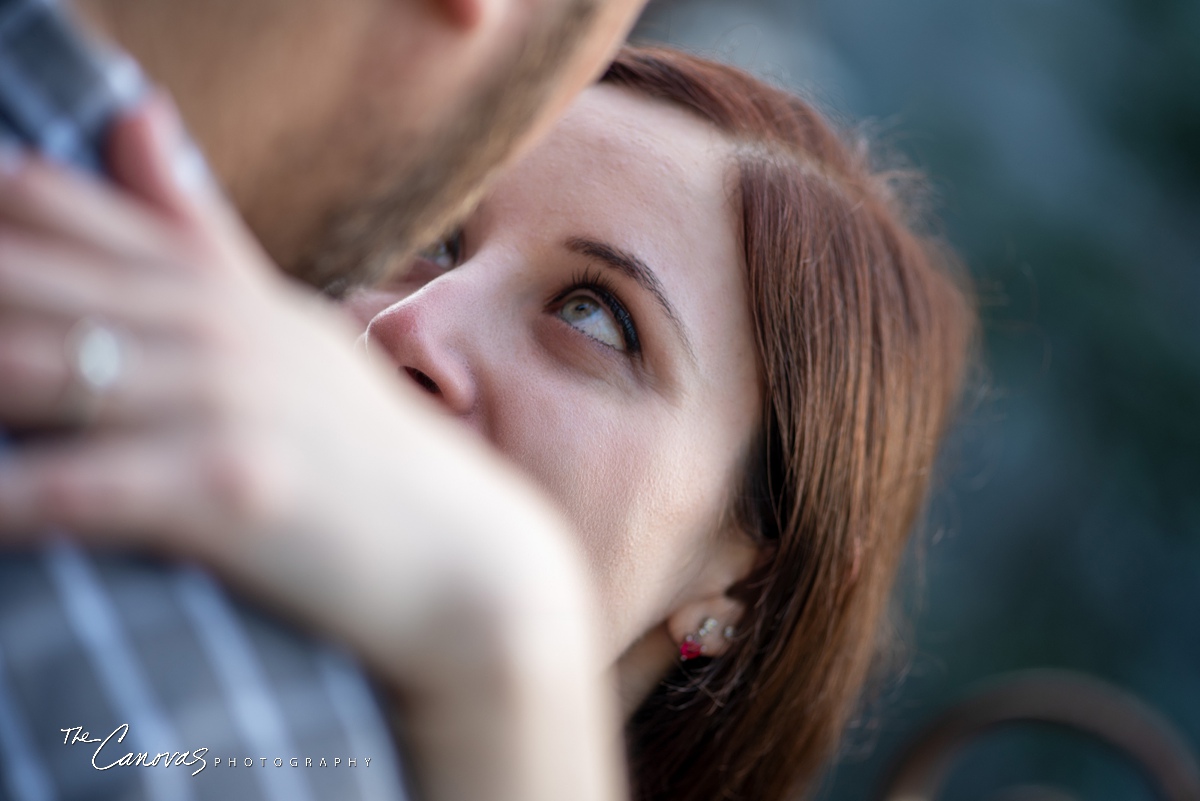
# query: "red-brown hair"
{"type": "Point", "coordinates": [863, 328]}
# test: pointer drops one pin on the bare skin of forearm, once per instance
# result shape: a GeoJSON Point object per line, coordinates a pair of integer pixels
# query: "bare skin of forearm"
{"type": "Point", "coordinates": [490, 648]}
{"type": "Point", "coordinates": [503, 700]}
{"type": "Point", "coordinates": [528, 718]}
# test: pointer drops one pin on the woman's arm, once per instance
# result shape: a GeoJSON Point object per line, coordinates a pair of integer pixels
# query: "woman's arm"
{"type": "Point", "coordinates": [244, 430]}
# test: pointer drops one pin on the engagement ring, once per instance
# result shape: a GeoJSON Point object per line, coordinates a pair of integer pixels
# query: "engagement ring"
{"type": "Point", "coordinates": [98, 355]}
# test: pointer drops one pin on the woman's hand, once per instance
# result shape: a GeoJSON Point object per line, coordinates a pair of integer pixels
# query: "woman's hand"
{"type": "Point", "coordinates": [239, 416]}
{"type": "Point", "coordinates": [238, 425]}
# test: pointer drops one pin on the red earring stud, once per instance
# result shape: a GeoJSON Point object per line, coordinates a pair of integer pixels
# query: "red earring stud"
{"type": "Point", "coordinates": [691, 647]}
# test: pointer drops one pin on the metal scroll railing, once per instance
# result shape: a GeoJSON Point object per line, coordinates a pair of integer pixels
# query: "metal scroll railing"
{"type": "Point", "coordinates": [1059, 698]}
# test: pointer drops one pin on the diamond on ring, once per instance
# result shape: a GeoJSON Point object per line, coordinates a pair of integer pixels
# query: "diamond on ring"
{"type": "Point", "coordinates": [99, 356]}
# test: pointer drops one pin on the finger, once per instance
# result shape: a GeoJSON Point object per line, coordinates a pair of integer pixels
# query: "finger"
{"type": "Point", "coordinates": [154, 158]}
{"type": "Point", "coordinates": [32, 369]}
{"type": "Point", "coordinates": [57, 279]}
{"type": "Point", "coordinates": [151, 155]}
{"type": "Point", "coordinates": [114, 491]}
{"type": "Point", "coordinates": [57, 202]}
{"type": "Point", "coordinates": [45, 379]}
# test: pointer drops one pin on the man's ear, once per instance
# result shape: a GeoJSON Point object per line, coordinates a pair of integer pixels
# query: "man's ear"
{"type": "Point", "coordinates": [707, 623]}
{"type": "Point", "coordinates": [463, 14]}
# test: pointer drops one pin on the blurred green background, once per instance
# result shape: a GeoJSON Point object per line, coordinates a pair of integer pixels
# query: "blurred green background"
{"type": "Point", "coordinates": [1062, 138]}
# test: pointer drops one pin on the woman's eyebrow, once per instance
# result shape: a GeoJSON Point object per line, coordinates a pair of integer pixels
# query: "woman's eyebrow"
{"type": "Point", "coordinates": [630, 265]}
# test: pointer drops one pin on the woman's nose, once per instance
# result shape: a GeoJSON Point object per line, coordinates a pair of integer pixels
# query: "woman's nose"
{"type": "Point", "coordinates": [364, 304]}
{"type": "Point", "coordinates": [427, 346]}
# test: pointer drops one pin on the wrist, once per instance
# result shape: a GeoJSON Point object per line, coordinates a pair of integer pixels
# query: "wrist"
{"type": "Point", "coordinates": [520, 710]}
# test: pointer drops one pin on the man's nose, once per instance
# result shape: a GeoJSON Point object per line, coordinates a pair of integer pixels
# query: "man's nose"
{"type": "Point", "coordinates": [424, 338]}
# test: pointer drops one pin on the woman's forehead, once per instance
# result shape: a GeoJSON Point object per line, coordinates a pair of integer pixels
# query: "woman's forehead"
{"type": "Point", "coordinates": [650, 179]}
{"type": "Point", "coordinates": [629, 168]}
{"type": "Point", "coordinates": [620, 129]}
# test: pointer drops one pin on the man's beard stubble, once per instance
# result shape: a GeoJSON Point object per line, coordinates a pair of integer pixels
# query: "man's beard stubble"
{"type": "Point", "coordinates": [372, 238]}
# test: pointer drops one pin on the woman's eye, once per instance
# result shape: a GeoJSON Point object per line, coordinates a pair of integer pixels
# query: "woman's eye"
{"type": "Point", "coordinates": [446, 254]}
{"type": "Point", "coordinates": [594, 319]}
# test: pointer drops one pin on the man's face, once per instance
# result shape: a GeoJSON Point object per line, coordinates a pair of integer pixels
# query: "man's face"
{"type": "Point", "coordinates": [348, 132]}
{"type": "Point", "coordinates": [408, 193]}
{"type": "Point", "coordinates": [383, 156]}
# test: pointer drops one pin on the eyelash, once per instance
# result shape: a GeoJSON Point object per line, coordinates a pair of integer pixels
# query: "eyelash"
{"type": "Point", "coordinates": [590, 280]}
{"type": "Point", "coordinates": [600, 286]}
{"type": "Point", "coordinates": [454, 242]}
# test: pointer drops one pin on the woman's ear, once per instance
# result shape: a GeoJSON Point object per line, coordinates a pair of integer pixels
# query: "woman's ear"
{"type": "Point", "coordinates": [706, 624]}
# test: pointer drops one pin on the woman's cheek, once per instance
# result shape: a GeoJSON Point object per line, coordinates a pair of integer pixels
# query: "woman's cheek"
{"type": "Point", "coordinates": [570, 444]}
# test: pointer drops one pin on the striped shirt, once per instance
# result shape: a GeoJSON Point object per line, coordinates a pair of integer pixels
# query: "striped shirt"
{"type": "Point", "coordinates": [123, 677]}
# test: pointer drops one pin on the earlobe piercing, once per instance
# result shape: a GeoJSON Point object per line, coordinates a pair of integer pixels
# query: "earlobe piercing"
{"type": "Point", "coordinates": [691, 647]}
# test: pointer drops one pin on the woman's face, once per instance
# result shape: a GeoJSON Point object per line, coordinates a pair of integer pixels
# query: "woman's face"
{"type": "Point", "coordinates": [592, 323]}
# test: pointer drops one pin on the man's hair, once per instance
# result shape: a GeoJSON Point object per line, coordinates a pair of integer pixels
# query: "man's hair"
{"type": "Point", "coordinates": [365, 243]}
